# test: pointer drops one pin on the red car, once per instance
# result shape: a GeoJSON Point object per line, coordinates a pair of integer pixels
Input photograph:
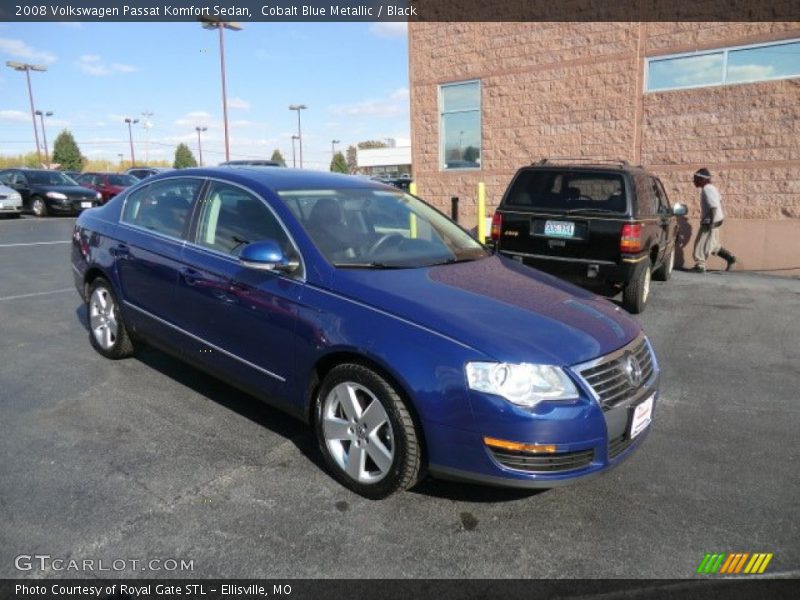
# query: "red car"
{"type": "Point", "coordinates": [108, 184]}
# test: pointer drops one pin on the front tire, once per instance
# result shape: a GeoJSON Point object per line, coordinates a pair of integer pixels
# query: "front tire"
{"type": "Point", "coordinates": [664, 272]}
{"type": "Point", "coordinates": [637, 290]}
{"type": "Point", "coordinates": [366, 433]}
{"type": "Point", "coordinates": [39, 206]}
{"type": "Point", "coordinates": [107, 331]}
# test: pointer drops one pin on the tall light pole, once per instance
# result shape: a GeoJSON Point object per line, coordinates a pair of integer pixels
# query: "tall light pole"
{"type": "Point", "coordinates": [199, 130]}
{"type": "Point", "coordinates": [130, 122]}
{"type": "Point", "coordinates": [42, 115]}
{"type": "Point", "coordinates": [146, 124]}
{"type": "Point", "coordinates": [121, 156]}
{"type": "Point", "coordinates": [333, 148]}
{"type": "Point", "coordinates": [210, 23]}
{"type": "Point", "coordinates": [294, 157]}
{"type": "Point", "coordinates": [18, 66]}
{"type": "Point", "coordinates": [298, 108]}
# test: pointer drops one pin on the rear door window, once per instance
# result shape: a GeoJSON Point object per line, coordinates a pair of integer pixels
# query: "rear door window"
{"type": "Point", "coordinates": [162, 207]}
{"type": "Point", "coordinates": [566, 190]}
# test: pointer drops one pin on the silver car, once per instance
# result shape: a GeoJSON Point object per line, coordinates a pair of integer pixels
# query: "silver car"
{"type": "Point", "coordinates": [10, 201]}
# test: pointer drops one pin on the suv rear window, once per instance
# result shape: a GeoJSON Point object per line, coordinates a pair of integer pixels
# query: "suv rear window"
{"type": "Point", "coordinates": [568, 190]}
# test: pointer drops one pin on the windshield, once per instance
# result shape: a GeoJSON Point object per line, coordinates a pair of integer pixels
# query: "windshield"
{"type": "Point", "coordinates": [375, 228]}
{"type": "Point", "coordinates": [122, 180]}
{"type": "Point", "coordinates": [569, 191]}
{"type": "Point", "coordinates": [49, 178]}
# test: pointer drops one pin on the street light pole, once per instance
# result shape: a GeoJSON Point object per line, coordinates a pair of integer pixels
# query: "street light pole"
{"type": "Point", "coordinates": [294, 158]}
{"type": "Point", "coordinates": [130, 122]}
{"type": "Point", "coordinates": [298, 108]}
{"type": "Point", "coordinates": [211, 23]}
{"type": "Point", "coordinates": [333, 148]}
{"type": "Point", "coordinates": [121, 156]}
{"type": "Point", "coordinates": [42, 115]}
{"type": "Point", "coordinates": [18, 66]}
{"type": "Point", "coordinates": [200, 143]}
{"type": "Point", "coordinates": [147, 125]}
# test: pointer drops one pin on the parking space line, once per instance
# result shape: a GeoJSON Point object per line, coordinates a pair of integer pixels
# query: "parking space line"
{"type": "Point", "coordinates": [35, 244]}
{"type": "Point", "coordinates": [61, 291]}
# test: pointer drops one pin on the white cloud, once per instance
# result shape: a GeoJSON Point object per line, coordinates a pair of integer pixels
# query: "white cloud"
{"type": "Point", "coordinates": [238, 103]}
{"type": "Point", "coordinates": [750, 72]}
{"type": "Point", "coordinates": [93, 64]}
{"type": "Point", "coordinates": [395, 105]}
{"type": "Point", "coordinates": [397, 29]}
{"type": "Point", "coordinates": [73, 24]}
{"type": "Point", "coordinates": [21, 50]}
{"type": "Point", "coordinates": [195, 118]}
{"type": "Point", "coordinates": [399, 94]}
{"type": "Point", "coordinates": [14, 115]}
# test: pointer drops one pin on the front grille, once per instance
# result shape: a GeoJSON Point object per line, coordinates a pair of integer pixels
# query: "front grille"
{"type": "Point", "coordinates": [544, 463]}
{"type": "Point", "coordinates": [608, 378]}
{"type": "Point", "coordinates": [618, 445]}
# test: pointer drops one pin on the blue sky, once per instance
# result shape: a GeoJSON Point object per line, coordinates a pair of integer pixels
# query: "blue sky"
{"type": "Point", "coordinates": [352, 76]}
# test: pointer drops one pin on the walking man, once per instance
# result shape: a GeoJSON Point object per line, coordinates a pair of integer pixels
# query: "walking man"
{"type": "Point", "coordinates": [711, 218]}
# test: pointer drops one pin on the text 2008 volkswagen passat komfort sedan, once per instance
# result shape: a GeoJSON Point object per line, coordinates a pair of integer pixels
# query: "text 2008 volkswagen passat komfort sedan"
{"type": "Point", "coordinates": [360, 309]}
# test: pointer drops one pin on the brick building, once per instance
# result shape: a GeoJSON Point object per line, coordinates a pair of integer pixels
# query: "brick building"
{"type": "Point", "coordinates": [489, 97]}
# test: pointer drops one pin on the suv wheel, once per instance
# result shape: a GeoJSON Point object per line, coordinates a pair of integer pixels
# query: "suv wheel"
{"type": "Point", "coordinates": [366, 433]}
{"type": "Point", "coordinates": [664, 272]}
{"type": "Point", "coordinates": [637, 290]}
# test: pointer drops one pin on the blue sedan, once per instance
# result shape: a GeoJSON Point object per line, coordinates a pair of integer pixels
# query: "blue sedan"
{"type": "Point", "coordinates": [407, 345]}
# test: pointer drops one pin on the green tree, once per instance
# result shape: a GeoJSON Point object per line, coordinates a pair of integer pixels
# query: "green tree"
{"type": "Point", "coordinates": [339, 163]}
{"type": "Point", "coordinates": [471, 153]}
{"type": "Point", "coordinates": [278, 158]}
{"type": "Point", "coordinates": [352, 159]}
{"type": "Point", "coordinates": [183, 158]}
{"type": "Point", "coordinates": [66, 152]}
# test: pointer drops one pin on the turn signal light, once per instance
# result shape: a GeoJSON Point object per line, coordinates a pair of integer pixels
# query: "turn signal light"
{"type": "Point", "coordinates": [631, 240]}
{"type": "Point", "coordinates": [519, 447]}
{"type": "Point", "coordinates": [497, 225]}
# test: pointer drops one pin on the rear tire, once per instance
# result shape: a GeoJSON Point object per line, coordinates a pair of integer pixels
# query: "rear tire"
{"type": "Point", "coordinates": [107, 331]}
{"type": "Point", "coordinates": [366, 433]}
{"type": "Point", "coordinates": [39, 206]}
{"type": "Point", "coordinates": [664, 272]}
{"type": "Point", "coordinates": [637, 291]}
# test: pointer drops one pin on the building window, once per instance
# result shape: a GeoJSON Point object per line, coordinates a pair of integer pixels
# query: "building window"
{"type": "Point", "coordinates": [460, 125]}
{"type": "Point", "coordinates": [742, 64]}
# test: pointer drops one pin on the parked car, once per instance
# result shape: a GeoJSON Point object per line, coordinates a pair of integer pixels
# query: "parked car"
{"type": "Point", "coordinates": [145, 172]}
{"type": "Point", "coordinates": [72, 174]}
{"type": "Point", "coordinates": [406, 344]}
{"type": "Point", "coordinates": [10, 202]}
{"type": "Point", "coordinates": [402, 182]}
{"type": "Point", "coordinates": [607, 225]}
{"type": "Point", "coordinates": [251, 163]}
{"type": "Point", "coordinates": [108, 184]}
{"type": "Point", "coordinates": [49, 192]}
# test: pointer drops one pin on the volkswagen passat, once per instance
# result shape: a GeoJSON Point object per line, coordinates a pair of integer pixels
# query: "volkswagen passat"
{"type": "Point", "coordinates": [360, 309]}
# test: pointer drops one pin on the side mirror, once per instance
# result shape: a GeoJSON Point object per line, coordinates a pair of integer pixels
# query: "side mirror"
{"type": "Point", "coordinates": [267, 255]}
{"type": "Point", "coordinates": [679, 210]}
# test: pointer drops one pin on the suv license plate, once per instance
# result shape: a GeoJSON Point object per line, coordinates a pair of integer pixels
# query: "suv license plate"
{"type": "Point", "coordinates": [642, 416]}
{"type": "Point", "coordinates": [86, 205]}
{"type": "Point", "coordinates": [559, 228]}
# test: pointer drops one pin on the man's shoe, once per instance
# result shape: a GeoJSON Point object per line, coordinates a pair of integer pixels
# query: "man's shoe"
{"type": "Point", "coordinates": [731, 262]}
{"type": "Point", "coordinates": [698, 269]}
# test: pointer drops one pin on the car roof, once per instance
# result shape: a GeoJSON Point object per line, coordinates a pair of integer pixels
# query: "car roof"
{"type": "Point", "coordinates": [279, 179]}
{"type": "Point", "coordinates": [607, 166]}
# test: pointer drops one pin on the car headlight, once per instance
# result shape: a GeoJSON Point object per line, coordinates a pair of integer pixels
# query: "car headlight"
{"type": "Point", "coordinates": [56, 195]}
{"type": "Point", "coordinates": [523, 384]}
{"type": "Point", "coordinates": [15, 197]}
{"type": "Point", "coordinates": [98, 196]}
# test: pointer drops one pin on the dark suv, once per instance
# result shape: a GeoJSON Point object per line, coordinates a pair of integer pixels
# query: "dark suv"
{"type": "Point", "coordinates": [603, 224]}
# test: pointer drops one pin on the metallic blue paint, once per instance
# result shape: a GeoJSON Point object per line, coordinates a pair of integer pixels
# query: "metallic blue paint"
{"type": "Point", "coordinates": [267, 332]}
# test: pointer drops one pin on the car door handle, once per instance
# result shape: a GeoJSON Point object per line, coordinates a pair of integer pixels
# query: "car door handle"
{"type": "Point", "coordinates": [191, 276]}
{"type": "Point", "coordinates": [120, 251]}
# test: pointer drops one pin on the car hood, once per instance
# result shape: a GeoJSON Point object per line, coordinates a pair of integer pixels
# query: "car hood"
{"type": "Point", "coordinates": [499, 307]}
{"type": "Point", "coordinates": [73, 192]}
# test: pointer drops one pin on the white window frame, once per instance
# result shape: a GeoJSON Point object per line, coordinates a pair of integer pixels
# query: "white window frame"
{"type": "Point", "coordinates": [724, 51]}
{"type": "Point", "coordinates": [453, 112]}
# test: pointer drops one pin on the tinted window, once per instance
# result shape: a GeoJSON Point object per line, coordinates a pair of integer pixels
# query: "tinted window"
{"type": "Point", "coordinates": [231, 218]}
{"type": "Point", "coordinates": [162, 207]}
{"type": "Point", "coordinates": [7, 177]}
{"type": "Point", "coordinates": [565, 190]}
{"type": "Point", "coordinates": [49, 178]}
{"type": "Point", "coordinates": [122, 180]}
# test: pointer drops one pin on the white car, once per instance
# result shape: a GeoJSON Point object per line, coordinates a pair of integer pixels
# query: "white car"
{"type": "Point", "coordinates": [10, 201]}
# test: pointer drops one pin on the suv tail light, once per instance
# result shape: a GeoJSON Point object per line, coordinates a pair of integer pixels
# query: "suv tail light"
{"type": "Point", "coordinates": [497, 225]}
{"type": "Point", "coordinates": [631, 240]}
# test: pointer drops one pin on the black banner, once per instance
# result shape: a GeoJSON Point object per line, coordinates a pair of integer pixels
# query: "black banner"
{"type": "Point", "coordinates": [400, 10]}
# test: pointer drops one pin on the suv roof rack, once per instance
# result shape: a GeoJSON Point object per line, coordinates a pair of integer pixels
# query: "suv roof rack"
{"type": "Point", "coordinates": [594, 161]}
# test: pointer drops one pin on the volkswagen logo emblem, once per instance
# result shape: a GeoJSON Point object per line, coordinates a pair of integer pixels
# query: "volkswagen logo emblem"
{"type": "Point", "coordinates": [632, 370]}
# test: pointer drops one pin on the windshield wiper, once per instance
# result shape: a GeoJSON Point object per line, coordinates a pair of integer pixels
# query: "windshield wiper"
{"type": "Point", "coordinates": [574, 211]}
{"type": "Point", "coordinates": [368, 265]}
{"type": "Point", "coordinates": [452, 261]}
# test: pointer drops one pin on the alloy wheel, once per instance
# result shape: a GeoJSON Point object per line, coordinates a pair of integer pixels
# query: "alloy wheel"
{"type": "Point", "coordinates": [103, 318]}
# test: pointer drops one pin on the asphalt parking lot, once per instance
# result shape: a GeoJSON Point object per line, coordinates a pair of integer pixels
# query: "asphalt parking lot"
{"type": "Point", "coordinates": [149, 458]}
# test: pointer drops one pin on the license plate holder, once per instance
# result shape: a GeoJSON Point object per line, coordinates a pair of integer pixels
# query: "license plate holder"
{"type": "Point", "coordinates": [641, 416]}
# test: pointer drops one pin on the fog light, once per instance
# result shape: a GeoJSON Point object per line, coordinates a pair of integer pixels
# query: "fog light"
{"type": "Point", "coordinates": [519, 447]}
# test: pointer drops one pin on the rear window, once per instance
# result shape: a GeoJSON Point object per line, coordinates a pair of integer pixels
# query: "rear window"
{"type": "Point", "coordinates": [565, 190]}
